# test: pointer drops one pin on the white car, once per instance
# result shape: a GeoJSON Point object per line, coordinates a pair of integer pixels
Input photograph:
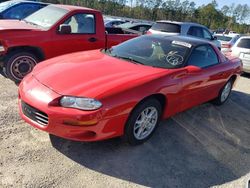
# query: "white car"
{"type": "Point", "coordinates": [241, 49]}
{"type": "Point", "coordinates": [183, 28]}
{"type": "Point", "coordinates": [227, 41]}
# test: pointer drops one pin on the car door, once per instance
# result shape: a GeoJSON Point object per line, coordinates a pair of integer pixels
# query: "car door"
{"type": "Point", "coordinates": [84, 35]}
{"type": "Point", "coordinates": [204, 76]}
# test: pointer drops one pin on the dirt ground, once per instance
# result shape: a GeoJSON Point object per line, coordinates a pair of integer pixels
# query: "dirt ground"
{"type": "Point", "coordinates": [203, 147]}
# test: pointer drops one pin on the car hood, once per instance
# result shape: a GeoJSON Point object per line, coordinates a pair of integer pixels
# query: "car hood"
{"type": "Point", "coordinates": [15, 25]}
{"type": "Point", "coordinates": [93, 74]}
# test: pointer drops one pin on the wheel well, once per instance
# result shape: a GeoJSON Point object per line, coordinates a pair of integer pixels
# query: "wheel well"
{"type": "Point", "coordinates": [233, 78]}
{"type": "Point", "coordinates": [38, 52]}
{"type": "Point", "coordinates": [160, 97]}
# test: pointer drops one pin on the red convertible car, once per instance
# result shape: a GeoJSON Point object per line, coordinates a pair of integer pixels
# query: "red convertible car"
{"type": "Point", "coordinates": [125, 90]}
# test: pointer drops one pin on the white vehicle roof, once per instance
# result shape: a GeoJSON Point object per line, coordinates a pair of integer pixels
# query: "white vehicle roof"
{"type": "Point", "coordinates": [244, 37]}
{"type": "Point", "coordinates": [179, 23]}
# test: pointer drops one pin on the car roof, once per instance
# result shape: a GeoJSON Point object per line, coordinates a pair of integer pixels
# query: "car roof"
{"type": "Point", "coordinates": [245, 37]}
{"type": "Point", "coordinates": [187, 39]}
{"type": "Point", "coordinates": [179, 23]}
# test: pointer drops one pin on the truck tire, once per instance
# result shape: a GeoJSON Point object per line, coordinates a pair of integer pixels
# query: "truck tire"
{"type": "Point", "coordinates": [18, 64]}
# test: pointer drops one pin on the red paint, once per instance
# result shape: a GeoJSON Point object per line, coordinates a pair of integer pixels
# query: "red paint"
{"type": "Point", "coordinates": [119, 85]}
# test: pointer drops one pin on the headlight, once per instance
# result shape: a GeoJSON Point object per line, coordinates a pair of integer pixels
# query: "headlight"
{"type": "Point", "coordinates": [80, 103]}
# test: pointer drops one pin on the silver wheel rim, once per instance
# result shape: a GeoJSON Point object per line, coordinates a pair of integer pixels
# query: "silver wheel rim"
{"type": "Point", "coordinates": [226, 91]}
{"type": "Point", "coordinates": [145, 123]}
{"type": "Point", "coordinates": [22, 66]}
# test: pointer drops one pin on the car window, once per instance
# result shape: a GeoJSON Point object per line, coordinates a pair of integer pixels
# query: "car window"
{"type": "Point", "coordinates": [167, 27]}
{"type": "Point", "coordinates": [82, 23]}
{"type": "Point", "coordinates": [21, 11]}
{"type": "Point", "coordinates": [142, 28]}
{"type": "Point", "coordinates": [203, 56]}
{"type": "Point", "coordinates": [196, 32]}
{"type": "Point", "coordinates": [244, 43]}
{"type": "Point", "coordinates": [223, 38]}
{"type": "Point", "coordinates": [207, 35]}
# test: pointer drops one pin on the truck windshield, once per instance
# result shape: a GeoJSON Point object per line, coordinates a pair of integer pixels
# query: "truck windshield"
{"type": "Point", "coordinates": [152, 51]}
{"type": "Point", "coordinates": [46, 17]}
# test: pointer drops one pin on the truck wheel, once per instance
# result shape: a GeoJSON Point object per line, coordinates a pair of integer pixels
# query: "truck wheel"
{"type": "Point", "coordinates": [143, 121]}
{"type": "Point", "coordinates": [17, 64]}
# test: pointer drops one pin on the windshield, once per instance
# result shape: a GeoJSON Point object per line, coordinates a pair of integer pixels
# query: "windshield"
{"type": "Point", "coordinates": [6, 5]}
{"type": "Point", "coordinates": [223, 38]}
{"type": "Point", "coordinates": [153, 51]}
{"type": "Point", "coordinates": [46, 17]}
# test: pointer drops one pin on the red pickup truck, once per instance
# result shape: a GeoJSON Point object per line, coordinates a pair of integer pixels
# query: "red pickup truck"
{"type": "Point", "coordinates": [52, 31]}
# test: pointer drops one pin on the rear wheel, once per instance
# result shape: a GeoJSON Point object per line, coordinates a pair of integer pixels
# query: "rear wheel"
{"type": "Point", "coordinates": [143, 121]}
{"type": "Point", "coordinates": [224, 93]}
{"type": "Point", "coordinates": [18, 64]}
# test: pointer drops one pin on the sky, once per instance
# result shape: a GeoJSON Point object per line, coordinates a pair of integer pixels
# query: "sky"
{"type": "Point", "coordinates": [221, 3]}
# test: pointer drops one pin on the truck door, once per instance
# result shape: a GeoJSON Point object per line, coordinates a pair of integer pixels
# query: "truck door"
{"type": "Point", "coordinates": [83, 35]}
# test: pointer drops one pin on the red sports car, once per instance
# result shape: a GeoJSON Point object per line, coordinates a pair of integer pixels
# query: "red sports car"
{"type": "Point", "coordinates": [125, 90]}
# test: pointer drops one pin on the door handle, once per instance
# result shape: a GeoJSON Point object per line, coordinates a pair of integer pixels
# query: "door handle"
{"type": "Point", "coordinates": [92, 39]}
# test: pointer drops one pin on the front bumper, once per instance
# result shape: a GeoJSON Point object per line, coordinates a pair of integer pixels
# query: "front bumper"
{"type": "Point", "coordinates": [68, 123]}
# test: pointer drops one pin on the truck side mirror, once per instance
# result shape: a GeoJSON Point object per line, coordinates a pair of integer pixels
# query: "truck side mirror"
{"type": "Point", "coordinates": [64, 29]}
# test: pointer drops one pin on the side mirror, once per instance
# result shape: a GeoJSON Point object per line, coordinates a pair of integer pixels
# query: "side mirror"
{"type": "Point", "coordinates": [193, 69]}
{"type": "Point", "coordinates": [64, 29]}
{"type": "Point", "coordinates": [214, 38]}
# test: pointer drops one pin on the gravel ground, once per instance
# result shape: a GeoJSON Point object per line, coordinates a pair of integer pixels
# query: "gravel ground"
{"type": "Point", "coordinates": [205, 146]}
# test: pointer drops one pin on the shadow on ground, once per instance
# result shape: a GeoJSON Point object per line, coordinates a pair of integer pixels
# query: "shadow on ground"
{"type": "Point", "coordinates": [204, 146]}
{"type": "Point", "coordinates": [246, 75]}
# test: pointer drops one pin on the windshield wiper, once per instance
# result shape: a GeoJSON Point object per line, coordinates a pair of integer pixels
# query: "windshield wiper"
{"type": "Point", "coordinates": [129, 59]}
{"type": "Point", "coordinates": [32, 23]}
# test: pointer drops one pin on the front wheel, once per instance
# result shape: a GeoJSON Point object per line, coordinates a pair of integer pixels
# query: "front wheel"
{"type": "Point", "coordinates": [143, 121]}
{"type": "Point", "coordinates": [224, 93]}
{"type": "Point", "coordinates": [18, 64]}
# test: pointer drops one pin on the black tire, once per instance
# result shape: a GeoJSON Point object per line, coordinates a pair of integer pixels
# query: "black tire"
{"type": "Point", "coordinates": [18, 64]}
{"type": "Point", "coordinates": [219, 100]}
{"type": "Point", "coordinates": [150, 104]}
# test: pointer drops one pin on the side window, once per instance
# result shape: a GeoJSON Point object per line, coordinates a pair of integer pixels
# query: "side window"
{"type": "Point", "coordinates": [21, 11]}
{"type": "Point", "coordinates": [196, 32]}
{"type": "Point", "coordinates": [203, 56]}
{"type": "Point", "coordinates": [207, 34]}
{"type": "Point", "coordinates": [82, 23]}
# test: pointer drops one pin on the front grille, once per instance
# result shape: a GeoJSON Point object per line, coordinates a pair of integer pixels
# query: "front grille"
{"type": "Point", "coordinates": [35, 114]}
